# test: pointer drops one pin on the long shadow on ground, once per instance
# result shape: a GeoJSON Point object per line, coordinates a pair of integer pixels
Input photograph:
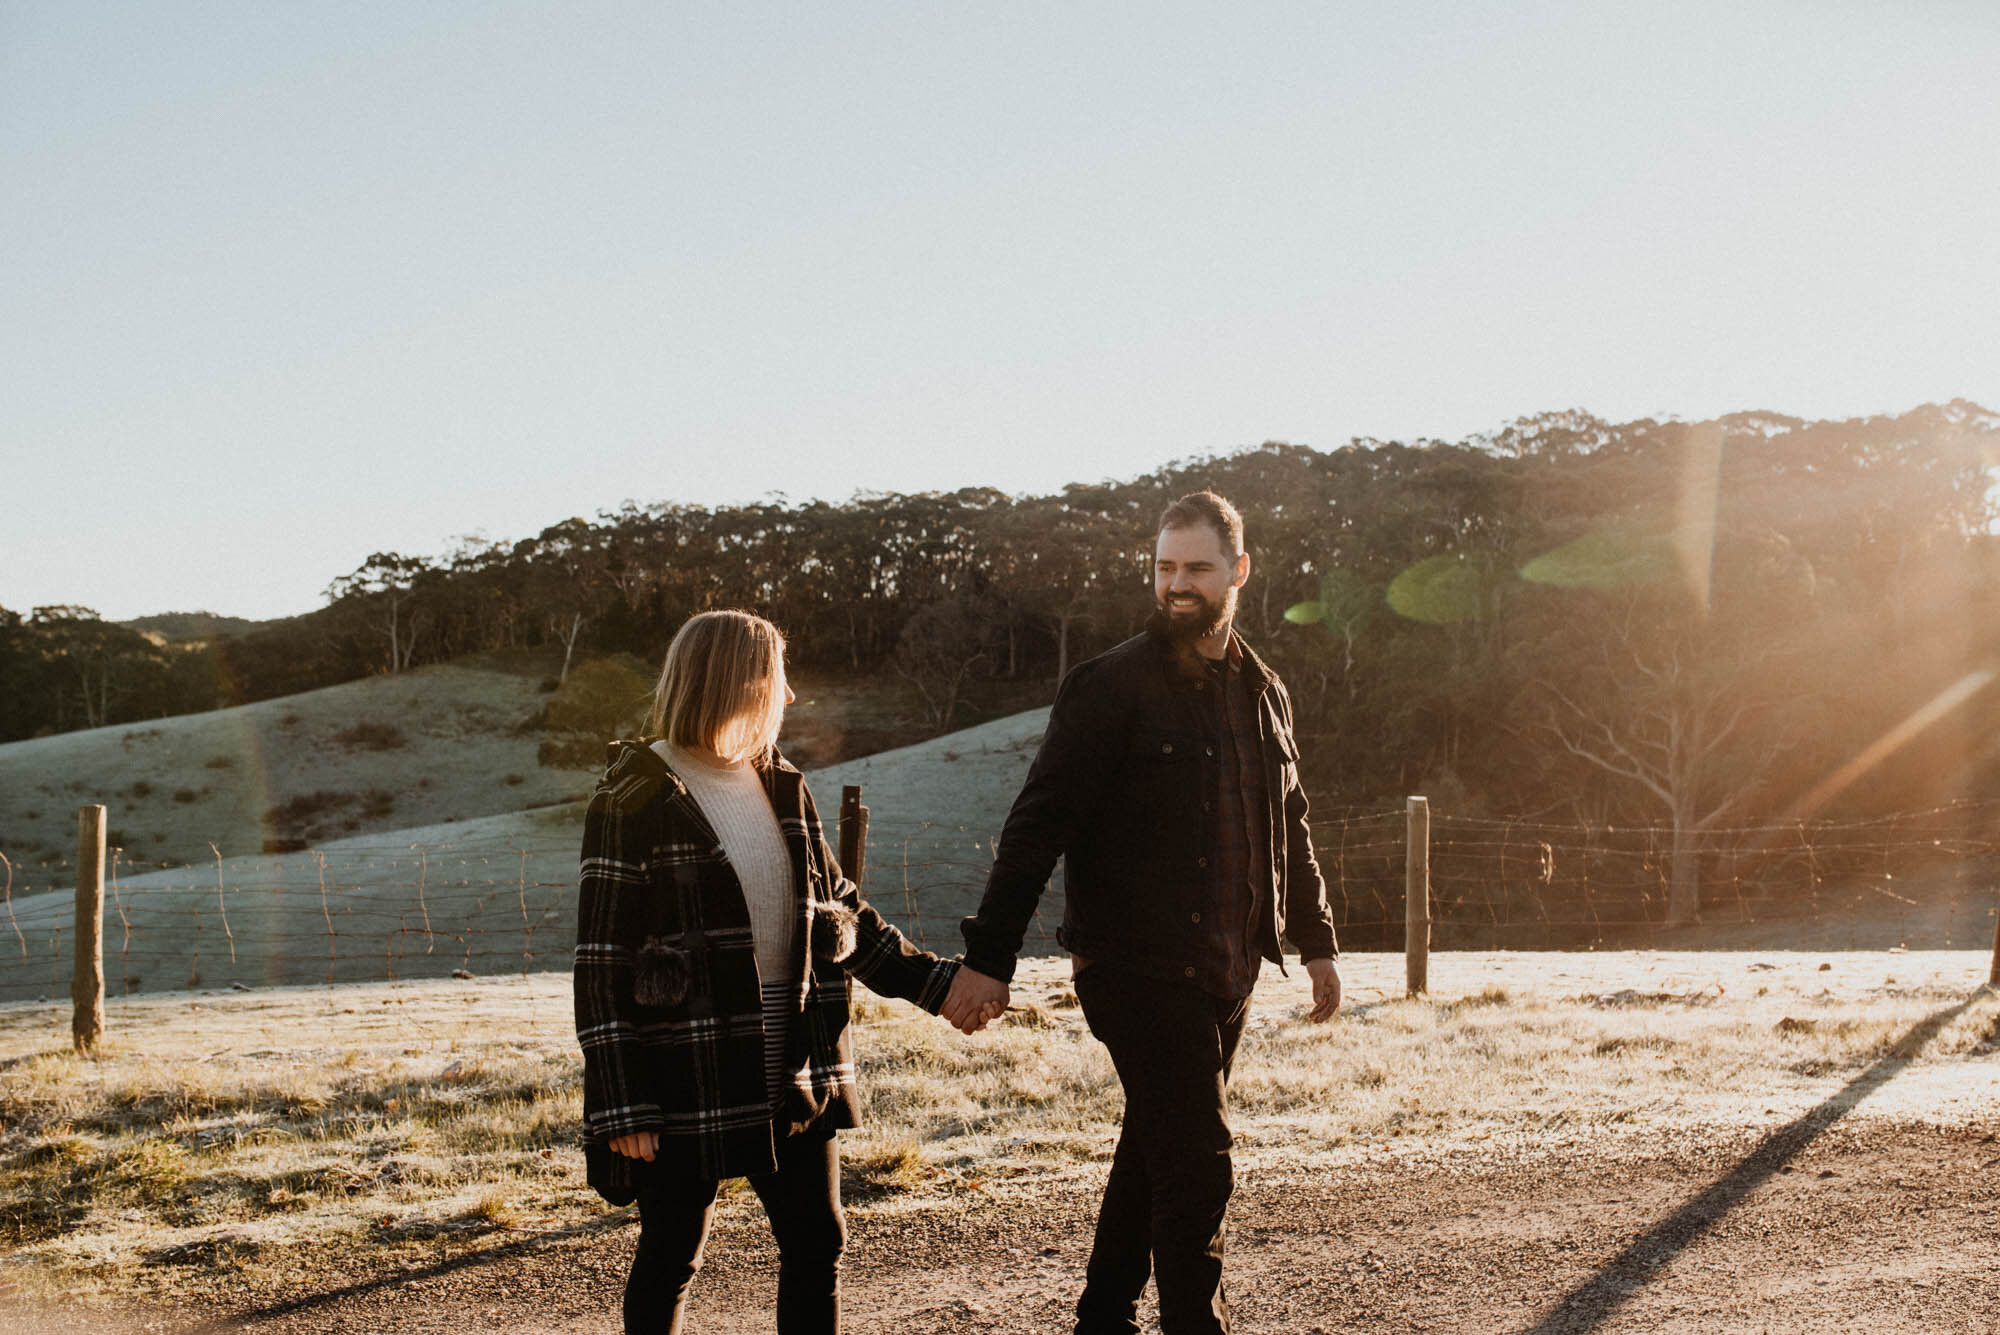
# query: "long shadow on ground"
{"type": "Point", "coordinates": [1591, 1303]}
{"type": "Point", "coordinates": [469, 1260]}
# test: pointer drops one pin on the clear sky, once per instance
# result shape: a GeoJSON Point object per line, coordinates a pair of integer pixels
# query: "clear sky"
{"type": "Point", "coordinates": [285, 284]}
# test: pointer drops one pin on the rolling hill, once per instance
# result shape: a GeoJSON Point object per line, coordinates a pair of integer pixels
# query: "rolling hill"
{"type": "Point", "coordinates": [453, 849]}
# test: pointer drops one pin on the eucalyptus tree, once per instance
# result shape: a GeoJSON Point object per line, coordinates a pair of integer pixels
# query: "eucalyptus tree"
{"type": "Point", "coordinates": [385, 592]}
{"type": "Point", "coordinates": [98, 671]}
{"type": "Point", "coordinates": [1068, 562]}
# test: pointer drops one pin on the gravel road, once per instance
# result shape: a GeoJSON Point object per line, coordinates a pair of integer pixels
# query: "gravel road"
{"type": "Point", "coordinates": [1867, 1223]}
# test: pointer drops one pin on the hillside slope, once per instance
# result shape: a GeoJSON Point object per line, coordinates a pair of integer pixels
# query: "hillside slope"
{"type": "Point", "coordinates": [493, 893]}
{"type": "Point", "coordinates": [364, 757]}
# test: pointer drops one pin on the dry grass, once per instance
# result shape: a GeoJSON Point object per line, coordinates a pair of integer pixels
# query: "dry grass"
{"type": "Point", "coordinates": [234, 1138]}
{"type": "Point", "coordinates": [1732, 1041]}
{"type": "Point", "coordinates": [166, 1158]}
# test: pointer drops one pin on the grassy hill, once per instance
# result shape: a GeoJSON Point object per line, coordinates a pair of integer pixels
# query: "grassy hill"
{"type": "Point", "coordinates": [415, 834]}
{"type": "Point", "coordinates": [435, 744]}
{"type": "Point", "coordinates": [487, 735]}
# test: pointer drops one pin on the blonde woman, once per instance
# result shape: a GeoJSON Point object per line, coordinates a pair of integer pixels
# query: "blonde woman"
{"type": "Point", "coordinates": [715, 938]}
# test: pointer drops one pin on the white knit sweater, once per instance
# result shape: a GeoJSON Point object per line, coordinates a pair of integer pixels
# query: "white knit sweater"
{"type": "Point", "coordinates": [733, 799]}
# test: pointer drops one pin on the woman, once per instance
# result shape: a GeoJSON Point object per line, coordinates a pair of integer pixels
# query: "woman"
{"type": "Point", "coordinates": [715, 937]}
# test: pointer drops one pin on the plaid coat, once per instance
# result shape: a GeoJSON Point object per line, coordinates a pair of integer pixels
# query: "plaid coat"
{"type": "Point", "coordinates": [668, 1012]}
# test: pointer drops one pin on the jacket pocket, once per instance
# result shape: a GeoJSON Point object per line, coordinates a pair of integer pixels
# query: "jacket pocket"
{"type": "Point", "coordinates": [1161, 788]}
{"type": "Point", "coordinates": [834, 932]}
{"type": "Point", "coordinates": [1287, 748]}
{"type": "Point", "coordinates": [660, 975]}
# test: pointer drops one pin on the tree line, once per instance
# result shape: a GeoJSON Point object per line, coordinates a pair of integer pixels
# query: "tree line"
{"type": "Point", "coordinates": [1693, 623]}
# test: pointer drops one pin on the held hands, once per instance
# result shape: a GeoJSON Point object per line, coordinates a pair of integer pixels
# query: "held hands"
{"type": "Point", "coordinates": [638, 1145]}
{"type": "Point", "coordinates": [974, 1000]}
{"type": "Point", "coordinates": [1326, 990]}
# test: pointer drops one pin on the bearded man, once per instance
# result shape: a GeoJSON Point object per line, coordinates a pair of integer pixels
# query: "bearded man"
{"type": "Point", "coordinates": [1168, 780]}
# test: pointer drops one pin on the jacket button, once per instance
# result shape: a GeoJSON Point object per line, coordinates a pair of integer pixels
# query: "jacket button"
{"type": "Point", "coordinates": [1206, 807]}
{"type": "Point", "coordinates": [1208, 750]}
{"type": "Point", "coordinates": [1201, 862]}
{"type": "Point", "coordinates": [1195, 916]}
{"type": "Point", "coordinates": [1166, 748]}
{"type": "Point", "coordinates": [1189, 971]}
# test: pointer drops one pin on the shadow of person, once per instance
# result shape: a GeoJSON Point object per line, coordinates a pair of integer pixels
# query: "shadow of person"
{"type": "Point", "coordinates": [1590, 1303]}
{"type": "Point", "coordinates": [466, 1261]}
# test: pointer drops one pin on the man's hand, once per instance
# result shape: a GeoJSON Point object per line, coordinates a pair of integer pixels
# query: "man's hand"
{"type": "Point", "coordinates": [1326, 989]}
{"type": "Point", "coordinates": [638, 1145]}
{"type": "Point", "coordinates": [973, 1000]}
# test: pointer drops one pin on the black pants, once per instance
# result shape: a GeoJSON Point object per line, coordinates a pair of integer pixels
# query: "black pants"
{"type": "Point", "coordinates": [1173, 1045]}
{"type": "Point", "coordinates": [802, 1199]}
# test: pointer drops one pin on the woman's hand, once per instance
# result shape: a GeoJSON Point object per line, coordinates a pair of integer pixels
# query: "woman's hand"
{"type": "Point", "coordinates": [974, 1001]}
{"type": "Point", "coordinates": [638, 1145]}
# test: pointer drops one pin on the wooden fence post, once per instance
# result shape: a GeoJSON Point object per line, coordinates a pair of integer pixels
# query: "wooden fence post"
{"type": "Point", "coordinates": [1993, 974]}
{"type": "Point", "coordinates": [86, 984]}
{"type": "Point", "coordinates": [853, 833]}
{"type": "Point", "coordinates": [1417, 896]}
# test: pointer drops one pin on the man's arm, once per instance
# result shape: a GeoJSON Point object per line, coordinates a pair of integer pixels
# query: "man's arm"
{"type": "Point", "coordinates": [1325, 975]}
{"type": "Point", "coordinates": [1308, 919]}
{"type": "Point", "coordinates": [1307, 908]}
{"type": "Point", "coordinates": [1083, 745]}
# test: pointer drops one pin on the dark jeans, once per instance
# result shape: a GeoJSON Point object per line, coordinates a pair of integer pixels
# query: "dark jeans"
{"type": "Point", "coordinates": [802, 1199]}
{"type": "Point", "coordinates": [1173, 1045]}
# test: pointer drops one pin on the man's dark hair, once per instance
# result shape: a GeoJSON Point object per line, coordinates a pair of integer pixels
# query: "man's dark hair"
{"type": "Point", "coordinates": [1205, 507]}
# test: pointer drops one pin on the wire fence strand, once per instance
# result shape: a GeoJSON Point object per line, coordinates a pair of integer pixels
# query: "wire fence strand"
{"type": "Point", "coordinates": [365, 911]}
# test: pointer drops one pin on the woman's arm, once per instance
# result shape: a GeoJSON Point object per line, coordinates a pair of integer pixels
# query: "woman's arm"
{"type": "Point", "coordinates": [882, 957]}
{"type": "Point", "coordinates": [886, 960]}
{"type": "Point", "coordinates": [609, 879]}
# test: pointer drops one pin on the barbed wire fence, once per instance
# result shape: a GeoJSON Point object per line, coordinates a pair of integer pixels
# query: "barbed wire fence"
{"type": "Point", "coordinates": [1499, 884]}
{"type": "Point", "coordinates": [384, 911]}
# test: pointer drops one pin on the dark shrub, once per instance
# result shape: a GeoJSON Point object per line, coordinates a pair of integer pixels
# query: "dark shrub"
{"type": "Point", "coordinates": [301, 818]}
{"type": "Point", "coordinates": [571, 752]}
{"type": "Point", "coordinates": [367, 736]}
{"type": "Point", "coordinates": [606, 697]}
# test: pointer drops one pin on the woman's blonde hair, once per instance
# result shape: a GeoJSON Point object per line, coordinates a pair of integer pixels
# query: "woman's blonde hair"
{"type": "Point", "coordinates": [722, 688]}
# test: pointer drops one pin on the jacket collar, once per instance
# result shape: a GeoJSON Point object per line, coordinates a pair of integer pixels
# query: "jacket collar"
{"type": "Point", "coordinates": [1257, 674]}
{"type": "Point", "coordinates": [634, 772]}
{"type": "Point", "coordinates": [1255, 670]}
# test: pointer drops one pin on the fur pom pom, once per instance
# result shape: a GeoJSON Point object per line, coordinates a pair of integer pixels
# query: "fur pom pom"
{"type": "Point", "coordinates": [662, 976]}
{"type": "Point", "coordinates": [833, 932]}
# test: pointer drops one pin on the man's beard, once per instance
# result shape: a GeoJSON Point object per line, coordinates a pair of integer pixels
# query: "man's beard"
{"type": "Point", "coordinates": [1206, 620]}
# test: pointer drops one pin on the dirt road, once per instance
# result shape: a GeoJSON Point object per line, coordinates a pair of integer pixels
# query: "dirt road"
{"type": "Point", "coordinates": [1820, 1224]}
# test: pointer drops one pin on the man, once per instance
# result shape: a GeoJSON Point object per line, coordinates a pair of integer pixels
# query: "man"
{"type": "Point", "coordinates": [1169, 780]}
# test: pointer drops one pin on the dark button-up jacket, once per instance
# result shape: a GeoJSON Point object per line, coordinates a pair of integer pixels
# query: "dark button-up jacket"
{"type": "Point", "coordinates": [668, 1008]}
{"type": "Point", "coordinates": [1118, 790]}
